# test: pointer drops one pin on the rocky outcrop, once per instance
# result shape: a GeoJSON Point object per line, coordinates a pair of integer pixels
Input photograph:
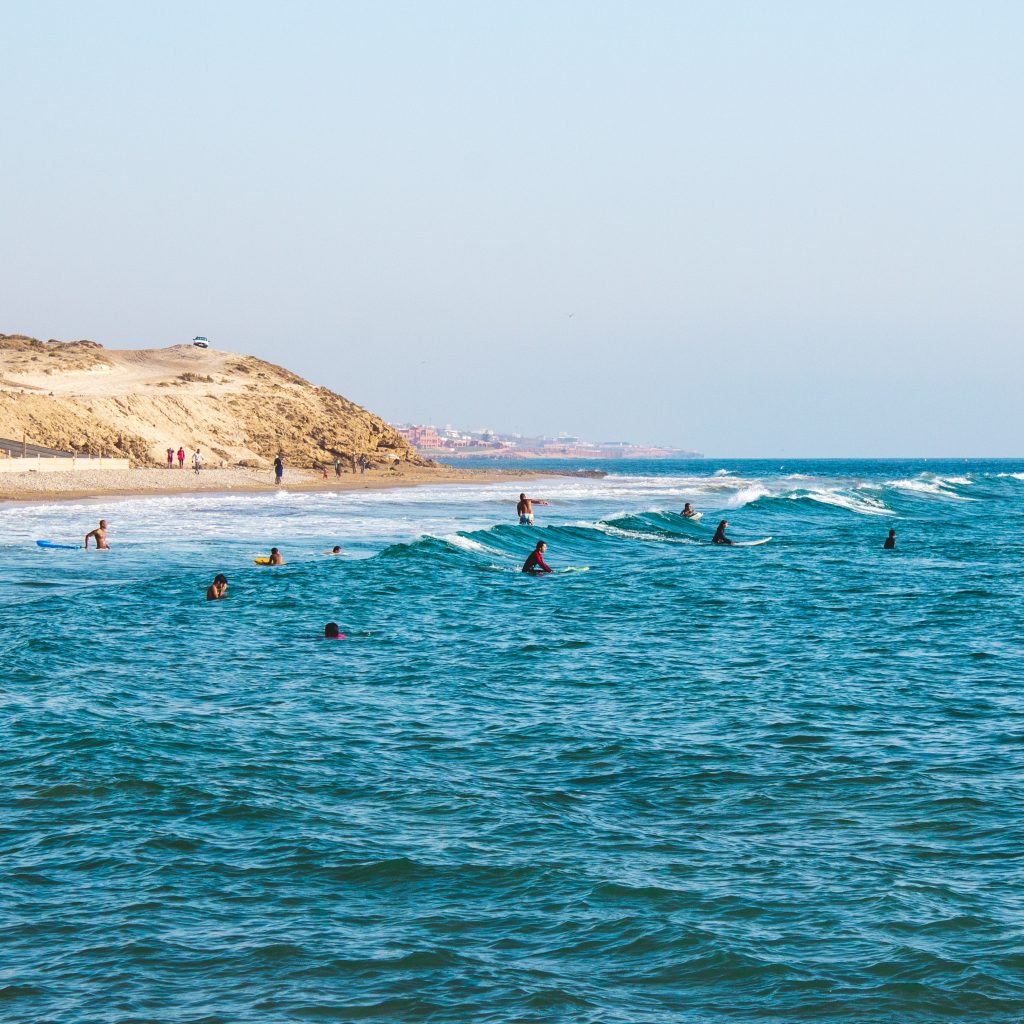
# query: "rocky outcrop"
{"type": "Point", "coordinates": [78, 396]}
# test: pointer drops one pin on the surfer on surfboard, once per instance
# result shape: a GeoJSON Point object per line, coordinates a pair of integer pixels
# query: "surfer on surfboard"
{"type": "Point", "coordinates": [720, 537]}
{"type": "Point", "coordinates": [535, 564]}
{"type": "Point", "coordinates": [689, 511]}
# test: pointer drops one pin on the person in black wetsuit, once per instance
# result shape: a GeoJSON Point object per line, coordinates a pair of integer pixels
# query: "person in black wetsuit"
{"type": "Point", "coordinates": [890, 541]}
{"type": "Point", "coordinates": [720, 537]}
{"type": "Point", "coordinates": [535, 564]}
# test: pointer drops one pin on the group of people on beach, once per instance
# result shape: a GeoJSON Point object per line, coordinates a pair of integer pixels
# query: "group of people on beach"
{"type": "Point", "coordinates": [196, 460]}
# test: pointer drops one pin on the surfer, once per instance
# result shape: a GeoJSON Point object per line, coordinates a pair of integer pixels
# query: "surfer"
{"type": "Point", "coordinates": [525, 509]}
{"type": "Point", "coordinates": [100, 536]}
{"type": "Point", "coordinates": [336, 550]}
{"type": "Point", "coordinates": [535, 564]}
{"type": "Point", "coordinates": [890, 541]}
{"type": "Point", "coordinates": [218, 589]}
{"type": "Point", "coordinates": [275, 557]}
{"type": "Point", "coordinates": [688, 511]}
{"type": "Point", "coordinates": [720, 537]}
{"type": "Point", "coordinates": [331, 632]}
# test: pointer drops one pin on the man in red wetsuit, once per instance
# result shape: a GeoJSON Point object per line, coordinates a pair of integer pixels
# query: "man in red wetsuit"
{"type": "Point", "coordinates": [535, 564]}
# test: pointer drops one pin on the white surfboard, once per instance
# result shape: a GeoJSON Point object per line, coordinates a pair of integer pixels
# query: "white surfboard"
{"type": "Point", "coordinates": [750, 543]}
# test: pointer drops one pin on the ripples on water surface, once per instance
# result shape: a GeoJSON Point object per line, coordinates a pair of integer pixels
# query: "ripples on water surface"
{"type": "Point", "coordinates": [690, 785]}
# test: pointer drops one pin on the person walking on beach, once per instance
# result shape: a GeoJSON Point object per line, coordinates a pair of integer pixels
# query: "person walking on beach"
{"type": "Point", "coordinates": [197, 461]}
{"type": "Point", "coordinates": [535, 564]}
{"type": "Point", "coordinates": [170, 458]}
{"type": "Point", "coordinates": [525, 509]}
{"type": "Point", "coordinates": [100, 536]}
{"type": "Point", "coordinates": [337, 466]}
{"type": "Point", "coordinates": [362, 463]}
{"type": "Point", "coordinates": [278, 470]}
{"type": "Point", "coordinates": [720, 537]}
{"type": "Point", "coordinates": [181, 458]}
{"type": "Point", "coordinates": [890, 541]}
{"type": "Point", "coordinates": [218, 589]}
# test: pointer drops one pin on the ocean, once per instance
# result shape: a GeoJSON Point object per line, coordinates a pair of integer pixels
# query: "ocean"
{"type": "Point", "coordinates": [690, 784]}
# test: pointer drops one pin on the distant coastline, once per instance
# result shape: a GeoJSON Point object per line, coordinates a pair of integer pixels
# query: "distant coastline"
{"type": "Point", "coordinates": [430, 441]}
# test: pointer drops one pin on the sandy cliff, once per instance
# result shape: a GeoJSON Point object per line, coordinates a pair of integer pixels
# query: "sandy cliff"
{"type": "Point", "coordinates": [78, 396]}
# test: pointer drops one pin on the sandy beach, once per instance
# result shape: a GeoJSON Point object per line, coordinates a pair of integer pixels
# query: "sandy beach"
{"type": "Point", "coordinates": [141, 482]}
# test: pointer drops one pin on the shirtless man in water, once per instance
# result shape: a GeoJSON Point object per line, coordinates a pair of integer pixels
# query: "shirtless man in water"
{"type": "Point", "coordinates": [525, 509]}
{"type": "Point", "coordinates": [100, 536]}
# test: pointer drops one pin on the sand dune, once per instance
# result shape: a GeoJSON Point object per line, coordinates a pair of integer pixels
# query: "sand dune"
{"type": "Point", "coordinates": [239, 410]}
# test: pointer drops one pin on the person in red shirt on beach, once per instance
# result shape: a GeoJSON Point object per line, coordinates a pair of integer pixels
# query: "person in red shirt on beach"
{"type": "Point", "coordinates": [181, 458]}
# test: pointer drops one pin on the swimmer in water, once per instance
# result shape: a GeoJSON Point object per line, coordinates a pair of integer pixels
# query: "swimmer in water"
{"type": "Point", "coordinates": [275, 557]}
{"type": "Point", "coordinates": [890, 541]}
{"type": "Point", "coordinates": [100, 536]}
{"type": "Point", "coordinates": [524, 509]}
{"type": "Point", "coordinates": [535, 564]}
{"type": "Point", "coordinates": [688, 511]}
{"type": "Point", "coordinates": [720, 537]}
{"type": "Point", "coordinates": [336, 550]}
{"type": "Point", "coordinates": [218, 588]}
{"type": "Point", "coordinates": [331, 632]}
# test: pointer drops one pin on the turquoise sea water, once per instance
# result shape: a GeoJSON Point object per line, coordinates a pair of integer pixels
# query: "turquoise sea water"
{"type": "Point", "coordinates": [692, 784]}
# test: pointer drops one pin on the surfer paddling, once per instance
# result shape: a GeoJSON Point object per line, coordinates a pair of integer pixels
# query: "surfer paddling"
{"type": "Point", "coordinates": [525, 509]}
{"type": "Point", "coordinates": [689, 511]}
{"type": "Point", "coordinates": [100, 536]}
{"type": "Point", "coordinates": [890, 541]}
{"type": "Point", "coordinates": [720, 537]}
{"type": "Point", "coordinates": [535, 564]}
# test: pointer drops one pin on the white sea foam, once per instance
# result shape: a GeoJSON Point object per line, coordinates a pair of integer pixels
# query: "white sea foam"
{"type": "Point", "coordinates": [468, 544]}
{"type": "Point", "coordinates": [863, 506]}
{"type": "Point", "coordinates": [924, 486]}
{"type": "Point", "coordinates": [746, 495]}
{"type": "Point", "coordinates": [616, 531]}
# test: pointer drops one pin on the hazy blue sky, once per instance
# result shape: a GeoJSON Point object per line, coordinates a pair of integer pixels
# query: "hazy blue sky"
{"type": "Point", "coordinates": [782, 228]}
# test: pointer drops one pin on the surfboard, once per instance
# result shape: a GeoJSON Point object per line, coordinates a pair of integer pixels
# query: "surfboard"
{"type": "Point", "coordinates": [62, 547]}
{"type": "Point", "coordinates": [262, 561]}
{"type": "Point", "coordinates": [750, 543]}
{"type": "Point", "coordinates": [575, 568]}
{"type": "Point", "coordinates": [695, 518]}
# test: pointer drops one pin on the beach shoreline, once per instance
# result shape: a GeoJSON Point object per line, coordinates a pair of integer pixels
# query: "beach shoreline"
{"type": "Point", "coordinates": [21, 488]}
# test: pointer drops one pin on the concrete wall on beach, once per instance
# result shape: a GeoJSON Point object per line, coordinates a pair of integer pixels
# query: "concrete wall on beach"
{"type": "Point", "coordinates": [41, 464]}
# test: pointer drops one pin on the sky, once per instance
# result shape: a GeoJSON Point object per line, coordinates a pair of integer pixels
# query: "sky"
{"type": "Point", "coordinates": [748, 228]}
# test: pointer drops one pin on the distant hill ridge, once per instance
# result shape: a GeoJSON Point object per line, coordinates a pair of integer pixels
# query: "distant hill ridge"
{"type": "Point", "coordinates": [79, 396]}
